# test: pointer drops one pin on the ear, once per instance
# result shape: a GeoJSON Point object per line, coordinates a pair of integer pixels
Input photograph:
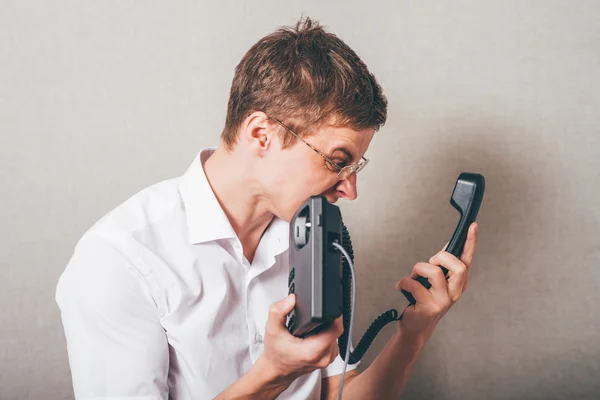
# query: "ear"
{"type": "Point", "coordinates": [258, 133]}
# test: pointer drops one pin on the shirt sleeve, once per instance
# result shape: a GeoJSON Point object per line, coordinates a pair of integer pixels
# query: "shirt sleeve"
{"type": "Point", "coordinates": [116, 345]}
{"type": "Point", "coordinates": [337, 366]}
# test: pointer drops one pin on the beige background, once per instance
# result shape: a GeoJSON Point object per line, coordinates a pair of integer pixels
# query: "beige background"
{"type": "Point", "coordinates": [100, 99]}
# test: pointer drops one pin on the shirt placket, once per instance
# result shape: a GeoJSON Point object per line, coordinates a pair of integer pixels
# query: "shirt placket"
{"type": "Point", "coordinates": [255, 337]}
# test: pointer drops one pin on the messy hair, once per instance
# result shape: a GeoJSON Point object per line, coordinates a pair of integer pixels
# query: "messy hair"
{"type": "Point", "coordinates": [305, 77]}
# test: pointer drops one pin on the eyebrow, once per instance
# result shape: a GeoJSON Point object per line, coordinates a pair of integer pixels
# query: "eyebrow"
{"type": "Point", "coordinates": [344, 150]}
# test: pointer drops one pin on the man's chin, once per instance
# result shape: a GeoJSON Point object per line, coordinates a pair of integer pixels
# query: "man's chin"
{"type": "Point", "coordinates": [290, 214]}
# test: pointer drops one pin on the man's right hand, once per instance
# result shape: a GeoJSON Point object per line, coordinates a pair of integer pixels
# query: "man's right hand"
{"type": "Point", "coordinates": [288, 356]}
{"type": "Point", "coordinates": [285, 357]}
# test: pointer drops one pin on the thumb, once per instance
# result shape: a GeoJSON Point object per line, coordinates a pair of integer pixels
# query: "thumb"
{"type": "Point", "coordinates": [279, 310]}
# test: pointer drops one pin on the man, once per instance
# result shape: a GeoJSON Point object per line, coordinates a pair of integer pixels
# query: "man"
{"type": "Point", "coordinates": [180, 292]}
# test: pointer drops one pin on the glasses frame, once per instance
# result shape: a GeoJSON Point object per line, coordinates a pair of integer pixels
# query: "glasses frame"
{"type": "Point", "coordinates": [342, 172]}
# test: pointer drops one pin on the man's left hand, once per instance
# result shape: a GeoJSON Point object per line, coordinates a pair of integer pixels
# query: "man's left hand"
{"type": "Point", "coordinates": [420, 320]}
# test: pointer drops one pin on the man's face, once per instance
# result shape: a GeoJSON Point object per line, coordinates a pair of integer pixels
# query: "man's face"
{"type": "Point", "coordinates": [292, 175]}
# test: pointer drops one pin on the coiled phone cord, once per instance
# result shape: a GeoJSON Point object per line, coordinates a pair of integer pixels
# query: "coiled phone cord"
{"type": "Point", "coordinates": [347, 292]}
{"type": "Point", "coordinates": [349, 299]}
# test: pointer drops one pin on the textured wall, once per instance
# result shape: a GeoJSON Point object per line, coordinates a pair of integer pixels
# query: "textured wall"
{"type": "Point", "coordinates": [100, 99]}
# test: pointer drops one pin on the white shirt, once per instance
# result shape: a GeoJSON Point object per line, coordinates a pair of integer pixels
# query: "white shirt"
{"type": "Point", "coordinates": [158, 300]}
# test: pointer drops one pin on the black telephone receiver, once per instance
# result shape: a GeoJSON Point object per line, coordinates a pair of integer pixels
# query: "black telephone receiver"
{"type": "Point", "coordinates": [466, 198]}
{"type": "Point", "coordinates": [320, 276]}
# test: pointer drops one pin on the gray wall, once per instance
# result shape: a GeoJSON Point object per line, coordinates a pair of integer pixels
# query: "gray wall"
{"type": "Point", "coordinates": [100, 99]}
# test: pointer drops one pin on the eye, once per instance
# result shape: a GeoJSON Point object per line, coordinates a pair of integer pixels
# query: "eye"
{"type": "Point", "coordinates": [341, 163]}
{"type": "Point", "coordinates": [332, 168]}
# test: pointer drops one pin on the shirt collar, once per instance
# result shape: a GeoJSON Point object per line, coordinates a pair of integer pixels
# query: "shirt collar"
{"type": "Point", "coordinates": [277, 235]}
{"type": "Point", "coordinates": [206, 220]}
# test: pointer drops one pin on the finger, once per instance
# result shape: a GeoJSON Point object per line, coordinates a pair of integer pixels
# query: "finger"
{"type": "Point", "coordinates": [331, 332]}
{"type": "Point", "coordinates": [417, 290]}
{"type": "Point", "coordinates": [435, 276]}
{"type": "Point", "coordinates": [469, 251]}
{"type": "Point", "coordinates": [329, 355]}
{"type": "Point", "coordinates": [457, 273]}
{"type": "Point", "coordinates": [319, 345]}
{"type": "Point", "coordinates": [447, 260]}
{"type": "Point", "coordinates": [433, 273]}
{"type": "Point", "coordinates": [470, 244]}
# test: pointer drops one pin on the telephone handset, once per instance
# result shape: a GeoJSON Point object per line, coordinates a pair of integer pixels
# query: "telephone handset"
{"type": "Point", "coordinates": [320, 276]}
{"type": "Point", "coordinates": [466, 198]}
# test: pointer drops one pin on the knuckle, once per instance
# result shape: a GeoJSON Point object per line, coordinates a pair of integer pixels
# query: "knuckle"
{"type": "Point", "coordinates": [312, 357]}
{"type": "Point", "coordinates": [421, 265]}
{"type": "Point", "coordinates": [336, 350]}
{"type": "Point", "coordinates": [324, 362]}
{"type": "Point", "coordinates": [334, 354]}
{"type": "Point", "coordinates": [438, 272]}
{"type": "Point", "coordinates": [319, 361]}
{"type": "Point", "coordinates": [435, 310]}
{"type": "Point", "coordinates": [305, 359]}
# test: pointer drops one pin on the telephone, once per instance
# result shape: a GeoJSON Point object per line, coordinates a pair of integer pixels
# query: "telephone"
{"type": "Point", "coordinates": [320, 272]}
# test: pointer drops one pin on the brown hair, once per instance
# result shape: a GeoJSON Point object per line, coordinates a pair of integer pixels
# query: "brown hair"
{"type": "Point", "coordinates": [304, 76]}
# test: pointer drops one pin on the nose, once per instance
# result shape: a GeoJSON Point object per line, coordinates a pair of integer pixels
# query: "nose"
{"type": "Point", "coordinates": [347, 188]}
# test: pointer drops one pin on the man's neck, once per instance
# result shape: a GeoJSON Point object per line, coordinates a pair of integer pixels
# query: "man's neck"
{"type": "Point", "coordinates": [239, 194]}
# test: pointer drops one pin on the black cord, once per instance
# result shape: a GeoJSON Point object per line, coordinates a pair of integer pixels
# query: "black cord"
{"type": "Point", "coordinates": [376, 326]}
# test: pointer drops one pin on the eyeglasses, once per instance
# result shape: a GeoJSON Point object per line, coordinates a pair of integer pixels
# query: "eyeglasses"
{"type": "Point", "coordinates": [342, 172]}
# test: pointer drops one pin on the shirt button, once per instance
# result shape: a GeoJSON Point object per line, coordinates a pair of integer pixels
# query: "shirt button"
{"type": "Point", "coordinates": [258, 338]}
{"type": "Point", "coordinates": [236, 245]}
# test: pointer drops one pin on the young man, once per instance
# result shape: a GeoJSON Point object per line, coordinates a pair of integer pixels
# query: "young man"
{"type": "Point", "coordinates": [177, 293]}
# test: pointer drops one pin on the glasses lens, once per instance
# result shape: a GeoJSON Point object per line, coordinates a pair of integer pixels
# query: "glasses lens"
{"type": "Point", "coordinates": [348, 170]}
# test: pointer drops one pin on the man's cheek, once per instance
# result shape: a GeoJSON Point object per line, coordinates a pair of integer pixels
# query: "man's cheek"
{"type": "Point", "coordinates": [329, 191]}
